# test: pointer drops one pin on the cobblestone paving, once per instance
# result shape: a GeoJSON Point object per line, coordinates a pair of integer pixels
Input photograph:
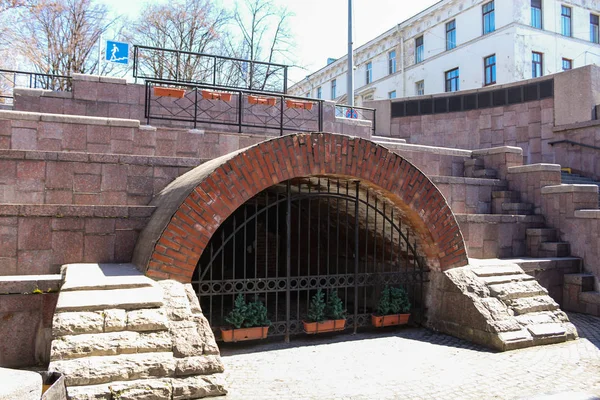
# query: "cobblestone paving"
{"type": "Point", "coordinates": [414, 363]}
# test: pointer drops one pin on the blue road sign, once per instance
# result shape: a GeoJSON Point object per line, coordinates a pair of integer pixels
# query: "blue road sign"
{"type": "Point", "coordinates": [117, 52]}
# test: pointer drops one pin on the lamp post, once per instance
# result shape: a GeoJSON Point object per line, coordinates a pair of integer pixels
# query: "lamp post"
{"type": "Point", "coordinates": [350, 88]}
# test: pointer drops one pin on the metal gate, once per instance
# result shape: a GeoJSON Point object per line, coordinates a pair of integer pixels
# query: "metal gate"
{"type": "Point", "coordinates": [308, 234]}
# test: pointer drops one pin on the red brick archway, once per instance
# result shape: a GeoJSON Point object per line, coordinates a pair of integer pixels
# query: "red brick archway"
{"type": "Point", "coordinates": [191, 209]}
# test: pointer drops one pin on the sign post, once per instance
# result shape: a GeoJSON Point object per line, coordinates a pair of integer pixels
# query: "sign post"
{"type": "Point", "coordinates": [117, 52]}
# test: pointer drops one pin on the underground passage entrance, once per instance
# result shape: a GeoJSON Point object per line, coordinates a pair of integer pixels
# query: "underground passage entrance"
{"type": "Point", "coordinates": [306, 234]}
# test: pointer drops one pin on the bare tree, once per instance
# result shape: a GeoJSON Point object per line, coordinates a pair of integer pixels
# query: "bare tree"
{"type": "Point", "coordinates": [58, 37]}
{"type": "Point", "coordinates": [189, 26]}
{"type": "Point", "coordinates": [265, 37]}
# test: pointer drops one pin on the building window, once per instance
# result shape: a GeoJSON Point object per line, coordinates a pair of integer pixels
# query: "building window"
{"type": "Point", "coordinates": [594, 28]}
{"type": "Point", "coordinates": [420, 88]}
{"type": "Point", "coordinates": [536, 13]}
{"type": "Point", "coordinates": [392, 62]}
{"type": "Point", "coordinates": [392, 94]}
{"type": "Point", "coordinates": [319, 93]}
{"type": "Point", "coordinates": [308, 94]}
{"type": "Point", "coordinates": [369, 72]}
{"type": "Point", "coordinates": [489, 20]}
{"type": "Point", "coordinates": [537, 64]}
{"type": "Point", "coordinates": [489, 69]}
{"type": "Point", "coordinates": [333, 89]}
{"type": "Point", "coordinates": [451, 35]}
{"type": "Point", "coordinates": [452, 80]}
{"type": "Point", "coordinates": [420, 51]}
{"type": "Point", "coordinates": [565, 20]}
{"type": "Point", "coordinates": [567, 64]}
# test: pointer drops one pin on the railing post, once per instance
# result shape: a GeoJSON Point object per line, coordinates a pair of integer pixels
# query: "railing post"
{"type": "Point", "coordinates": [374, 122]}
{"type": "Point", "coordinates": [356, 249]}
{"type": "Point", "coordinates": [177, 67]}
{"type": "Point", "coordinates": [281, 116]}
{"type": "Point", "coordinates": [285, 78]}
{"type": "Point", "coordinates": [195, 107]}
{"type": "Point", "coordinates": [320, 118]}
{"type": "Point", "coordinates": [147, 105]}
{"type": "Point", "coordinates": [215, 71]}
{"type": "Point", "coordinates": [135, 61]}
{"type": "Point", "coordinates": [240, 114]}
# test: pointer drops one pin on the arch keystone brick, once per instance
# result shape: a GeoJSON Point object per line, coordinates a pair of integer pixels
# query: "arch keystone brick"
{"type": "Point", "coordinates": [192, 207]}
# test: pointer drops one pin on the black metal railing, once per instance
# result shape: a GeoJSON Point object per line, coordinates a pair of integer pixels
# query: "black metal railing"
{"type": "Point", "coordinates": [572, 143]}
{"type": "Point", "coordinates": [10, 79]}
{"type": "Point", "coordinates": [353, 112]}
{"type": "Point", "coordinates": [204, 104]}
{"type": "Point", "coordinates": [198, 68]}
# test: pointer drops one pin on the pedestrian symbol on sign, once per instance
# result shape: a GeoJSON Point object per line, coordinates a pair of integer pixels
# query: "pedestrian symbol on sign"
{"type": "Point", "coordinates": [117, 52]}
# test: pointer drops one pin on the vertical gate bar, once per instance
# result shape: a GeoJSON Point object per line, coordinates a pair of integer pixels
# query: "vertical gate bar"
{"type": "Point", "coordinates": [337, 234]}
{"type": "Point", "coordinates": [413, 283]}
{"type": "Point", "coordinates": [288, 260]}
{"type": "Point", "coordinates": [356, 238]}
{"type": "Point", "coordinates": [222, 268]}
{"type": "Point", "coordinates": [211, 289]}
{"type": "Point", "coordinates": [214, 71]}
{"type": "Point", "coordinates": [392, 240]}
{"type": "Point", "coordinates": [309, 264]}
{"type": "Point", "coordinates": [346, 250]}
{"type": "Point", "coordinates": [233, 253]}
{"type": "Point", "coordinates": [195, 107]}
{"type": "Point", "coordinates": [328, 223]}
{"type": "Point", "coordinates": [375, 269]}
{"type": "Point", "coordinates": [281, 116]}
{"type": "Point", "coordinates": [318, 239]}
{"type": "Point", "coordinates": [383, 239]}
{"type": "Point", "coordinates": [366, 251]}
{"type": "Point", "coordinates": [245, 241]}
{"type": "Point", "coordinates": [255, 245]}
{"type": "Point", "coordinates": [299, 253]}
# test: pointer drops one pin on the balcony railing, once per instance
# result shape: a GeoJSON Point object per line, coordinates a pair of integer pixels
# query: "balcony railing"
{"type": "Point", "coordinates": [206, 69]}
{"type": "Point", "coordinates": [206, 104]}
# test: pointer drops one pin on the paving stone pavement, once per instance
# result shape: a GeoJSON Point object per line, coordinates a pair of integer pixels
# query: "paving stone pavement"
{"type": "Point", "coordinates": [414, 363]}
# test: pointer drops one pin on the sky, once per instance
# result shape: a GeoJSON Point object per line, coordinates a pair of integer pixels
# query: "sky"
{"type": "Point", "coordinates": [320, 27]}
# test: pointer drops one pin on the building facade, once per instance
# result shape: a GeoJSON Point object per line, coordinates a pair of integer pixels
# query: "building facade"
{"type": "Point", "coordinates": [465, 44]}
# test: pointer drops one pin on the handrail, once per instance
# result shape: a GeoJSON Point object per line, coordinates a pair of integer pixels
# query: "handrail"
{"type": "Point", "coordinates": [572, 143]}
{"type": "Point", "coordinates": [174, 75]}
{"type": "Point", "coordinates": [33, 80]}
{"type": "Point", "coordinates": [351, 113]}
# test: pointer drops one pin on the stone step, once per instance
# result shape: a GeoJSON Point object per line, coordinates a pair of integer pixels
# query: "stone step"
{"type": "Point", "coordinates": [124, 367]}
{"type": "Point", "coordinates": [491, 270]}
{"type": "Point", "coordinates": [88, 322]}
{"type": "Point", "coordinates": [127, 299]}
{"type": "Point", "coordinates": [509, 195]}
{"type": "Point", "coordinates": [532, 264]}
{"type": "Point", "coordinates": [586, 281]}
{"type": "Point", "coordinates": [554, 249]}
{"type": "Point", "coordinates": [193, 387]}
{"type": "Point", "coordinates": [103, 277]}
{"type": "Point", "coordinates": [497, 279]}
{"type": "Point", "coordinates": [109, 344]}
{"type": "Point", "coordinates": [542, 317]}
{"type": "Point", "coordinates": [485, 173]}
{"type": "Point", "coordinates": [551, 330]}
{"type": "Point", "coordinates": [517, 290]}
{"type": "Point", "coordinates": [517, 208]}
{"type": "Point", "coordinates": [544, 234]}
{"type": "Point", "coordinates": [533, 304]}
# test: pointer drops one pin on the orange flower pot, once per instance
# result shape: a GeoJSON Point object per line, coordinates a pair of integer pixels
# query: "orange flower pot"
{"type": "Point", "coordinates": [169, 92]}
{"type": "Point", "coordinates": [207, 94]}
{"type": "Point", "coordinates": [307, 105]}
{"type": "Point", "coordinates": [242, 334]}
{"type": "Point", "coordinates": [331, 325]}
{"type": "Point", "coordinates": [267, 101]}
{"type": "Point", "coordinates": [379, 321]}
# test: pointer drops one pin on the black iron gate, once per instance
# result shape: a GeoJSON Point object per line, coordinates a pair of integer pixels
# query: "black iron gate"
{"type": "Point", "coordinates": [308, 234]}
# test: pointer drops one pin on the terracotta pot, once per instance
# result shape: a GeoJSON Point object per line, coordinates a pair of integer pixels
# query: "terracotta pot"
{"type": "Point", "coordinates": [307, 105]}
{"type": "Point", "coordinates": [207, 94]}
{"type": "Point", "coordinates": [268, 101]}
{"type": "Point", "coordinates": [379, 321]}
{"type": "Point", "coordinates": [169, 92]}
{"type": "Point", "coordinates": [239, 335]}
{"type": "Point", "coordinates": [331, 325]}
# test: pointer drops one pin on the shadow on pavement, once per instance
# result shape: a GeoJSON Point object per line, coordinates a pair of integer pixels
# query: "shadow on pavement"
{"type": "Point", "coordinates": [406, 333]}
{"type": "Point", "coordinates": [587, 326]}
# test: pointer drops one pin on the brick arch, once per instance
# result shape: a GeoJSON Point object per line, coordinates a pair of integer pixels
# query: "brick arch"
{"type": "Point", "coordinates": [191, 209]}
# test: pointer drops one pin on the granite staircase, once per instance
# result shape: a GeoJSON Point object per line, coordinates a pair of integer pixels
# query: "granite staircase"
{"type": "Point", "coordinates": [119, 335]}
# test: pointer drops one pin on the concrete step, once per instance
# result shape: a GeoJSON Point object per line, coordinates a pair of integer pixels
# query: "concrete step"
{"type": "Point", "coordinates": [544, 234]}
{"type": "Point", "coordinates": [517, 290]}
{"type": "Point", "coordinates": [110, 344]}
{"type": "Point", "coordinates": [525, 305]}
{"type": "Point", "coordinates": [485, 173]}
{"type": "Point", "coordinates": [103, 277]}
{"type": "Point", "coordinates": [127, 299]}
{"type": "Point", "coordinates": [517, 208]}
{"type": "Point", "coordinates": [554, 249]}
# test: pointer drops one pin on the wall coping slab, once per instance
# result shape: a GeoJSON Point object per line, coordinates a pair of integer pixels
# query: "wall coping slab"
{"type": "Point", "coordinates": [534, 168]}
{"type": "Point", "coordinates": [21, 284]}
{"type": "Point", "coordinates": [69, 119]}
{"type": "Point", "coordinates": [498, 150]}
{"type": "Point", "coordinates": [570, 189]}
{"type": "Point", "coordinates": [589, 214]}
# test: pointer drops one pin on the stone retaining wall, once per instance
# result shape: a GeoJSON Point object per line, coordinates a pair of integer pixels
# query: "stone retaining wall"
{"type": "Point", "coordinates": [38, 239]}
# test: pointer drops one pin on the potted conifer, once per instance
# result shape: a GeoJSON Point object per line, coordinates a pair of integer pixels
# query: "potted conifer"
{"type": "Point", "coordinates": [393, 308]}
{"type": "Point", "coordinates": [324, 316]}
{"type": "Point", "coordinates": [249, 321]}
